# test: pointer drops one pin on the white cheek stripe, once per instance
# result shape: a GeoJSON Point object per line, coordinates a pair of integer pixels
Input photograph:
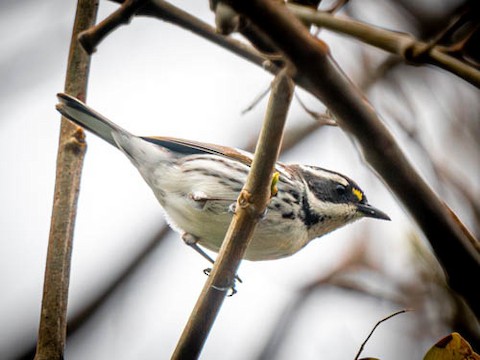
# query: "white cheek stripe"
{"type": "Point", "coordinates": [337, 213]}
{"type": "Point", "coordinates": [325, 174]}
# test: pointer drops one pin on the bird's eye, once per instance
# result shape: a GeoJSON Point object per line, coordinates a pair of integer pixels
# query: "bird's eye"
{"type": "Point", "coordinates": [341, 189]}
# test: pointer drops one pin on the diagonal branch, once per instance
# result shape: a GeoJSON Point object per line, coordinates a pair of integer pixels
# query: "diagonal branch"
{"type": "Point", "coordinates": [71, 151]}
{"type": "Point", "coordinates": [401, 44]}
{"type": "Point", "coordinates": [250, 206]}
{"type": "Point", "coordinates": [354, 114]}
{"type": "Point", "coordinates": [165, 11]}
{"type": "Point", "coordinates": [375, 327]}
{"type": "Point", "coordinates": [91, 37]}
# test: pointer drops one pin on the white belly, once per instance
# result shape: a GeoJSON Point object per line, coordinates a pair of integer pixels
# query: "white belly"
{"type": "Point", "coordinates": [210, 223]}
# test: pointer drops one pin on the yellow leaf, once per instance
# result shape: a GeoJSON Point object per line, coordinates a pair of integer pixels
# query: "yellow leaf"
{"type": "Point", "coordinates": [452, 347]}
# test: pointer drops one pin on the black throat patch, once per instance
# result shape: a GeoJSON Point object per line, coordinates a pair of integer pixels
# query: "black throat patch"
{"type": "Point", "coordinates": [309, 218]}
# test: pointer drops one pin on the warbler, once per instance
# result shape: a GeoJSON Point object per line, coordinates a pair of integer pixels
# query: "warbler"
{"type": "Point", "coordinates": [197, 184]}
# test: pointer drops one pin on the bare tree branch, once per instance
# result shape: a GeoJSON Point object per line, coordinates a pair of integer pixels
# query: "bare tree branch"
{"type": "Point", "coordinates": [165, 11]}
{"type": "Point", "coordinates": [354, 114]}
{"type": "Point", "coordinates": [71, 151]}
{"type": "Point", "coordinates": [404, 45]}
{"type": "Point", "coordinates": [251, 203]}
{"type": "Point", "coordinates": [91, 37]}
{"type": "Point", "coordinates": [374, 328]}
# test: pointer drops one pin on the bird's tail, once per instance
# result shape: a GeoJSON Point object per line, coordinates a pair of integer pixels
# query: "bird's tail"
{"type": "Point", "coordinates": [144, 154]}
{"type": "Point", "coordinates": [76, 111]}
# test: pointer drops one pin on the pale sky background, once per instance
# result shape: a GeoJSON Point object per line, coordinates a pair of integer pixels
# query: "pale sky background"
{"type": "Point", "coordinates": [155, 79]}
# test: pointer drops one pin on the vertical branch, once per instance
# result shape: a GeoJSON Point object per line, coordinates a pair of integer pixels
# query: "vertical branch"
{"type": "Point", "coordinates": [71, 151]}
{"type": "Point", "coordinates": [251, 204]}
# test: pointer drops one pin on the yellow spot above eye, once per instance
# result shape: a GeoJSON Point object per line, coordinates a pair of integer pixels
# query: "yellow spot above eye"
{"type": "Point", "coordinates": [273, 186]}
{"type": "Point", "coordinates": [358, 193]}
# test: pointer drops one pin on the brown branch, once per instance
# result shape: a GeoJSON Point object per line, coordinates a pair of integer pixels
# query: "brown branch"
{"type": "Point", "coordinates": [165, 11]}
{"type": "Point", "coordinates": [401, 44]}
{"type": "Point", "coordinates": [251, 204]}
{"type": "Point", "coordinates": [323, 78]}
{"type": "Point", "coordinates": [71, 151]}
{"type": "Point", "coordinates": [91, 37]}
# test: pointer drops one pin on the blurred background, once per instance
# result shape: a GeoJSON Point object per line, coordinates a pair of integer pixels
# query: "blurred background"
{"type": "Point", "coordinates": [134, 283]}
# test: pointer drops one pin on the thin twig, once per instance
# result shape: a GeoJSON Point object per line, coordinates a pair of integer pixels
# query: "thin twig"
{"type": "Point", "coordinates": [71, 151]}
{"type": "Point", "coordinates": [402, 44]}
{"type": "Point", "coordinates": [256, 101]}
{"type": "Point", "coordinates": [375, 327]}
{"type": "Point", "coordinates": [322, 119]}
{"type": "Point", "coordinates": [251, 204]}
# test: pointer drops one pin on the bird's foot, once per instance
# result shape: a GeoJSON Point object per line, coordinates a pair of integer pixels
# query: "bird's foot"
{"type": "Point", "coordinates": [232, 288]}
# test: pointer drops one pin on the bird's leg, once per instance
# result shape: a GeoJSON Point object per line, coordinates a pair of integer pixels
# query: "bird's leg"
{"type": "Point", "coordinates": [192, 240]}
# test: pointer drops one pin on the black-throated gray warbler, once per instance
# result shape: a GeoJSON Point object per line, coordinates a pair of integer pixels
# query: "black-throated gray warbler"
{"type": "Point", "coordinates": [197, 183]}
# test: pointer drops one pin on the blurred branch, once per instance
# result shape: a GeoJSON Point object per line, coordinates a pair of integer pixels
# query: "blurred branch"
{"type": "Point", "coordinates": [251, 203]}
{"type": "Point", "coordinates": [381, 71]}
{"type": "Point", "coordinates": [445, 176]}
{"type": "Point", "coordinates": [90, 309]}
{"type": "Point", "coordinates": [355, 261]}
{"type": "Point", "coordinates": [71, 151]}
{"type": "Point", "coordinates": [87, 312]}
{"type": "Point", "coordinates": [401, 44]}
{"type": "Point", "coordinates": [326, 81]}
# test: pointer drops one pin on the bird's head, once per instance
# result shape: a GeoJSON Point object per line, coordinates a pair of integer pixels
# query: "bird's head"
{"type": "Point", "coordinates": [332, 200]}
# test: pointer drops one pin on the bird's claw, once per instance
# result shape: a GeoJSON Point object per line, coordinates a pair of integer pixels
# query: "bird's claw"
{"type": "Point", "coordinates": [232, 288]}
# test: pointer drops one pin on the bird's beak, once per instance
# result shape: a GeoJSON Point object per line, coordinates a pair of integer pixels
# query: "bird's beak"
{"type": "Point", "coordinates": [368, 210]}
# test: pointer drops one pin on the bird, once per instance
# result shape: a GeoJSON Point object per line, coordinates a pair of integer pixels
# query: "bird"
{"type": "Point", "coordinates": [197, 185]}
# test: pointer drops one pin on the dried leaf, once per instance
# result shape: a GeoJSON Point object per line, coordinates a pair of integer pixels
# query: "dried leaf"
{"type": "Point", "coordinates": [452, 347]}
